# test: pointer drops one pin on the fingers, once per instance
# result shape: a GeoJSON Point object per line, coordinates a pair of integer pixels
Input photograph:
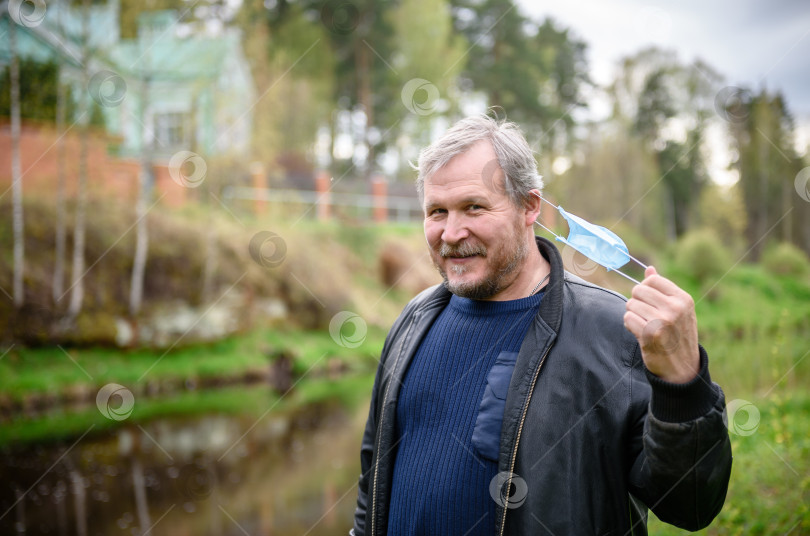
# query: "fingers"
{"type": "Point", "coordinates": [660, 293]}
{"type": "Point", "coordinates": [662, 317]}
{"type": "Point", "coordinates": [646, 294]}
{"type": "Point", "coordinates": [662, 284]}
{"type": "Point", "coordinates": [657, 298]}
{"type": "Point", "coordinates": [643, 309]}
{"type": "Point", "coordinates": [634, 323]}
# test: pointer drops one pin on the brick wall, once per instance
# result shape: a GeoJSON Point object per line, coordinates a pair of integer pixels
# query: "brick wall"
{"type": "Point", "coordinates": [108, 176]}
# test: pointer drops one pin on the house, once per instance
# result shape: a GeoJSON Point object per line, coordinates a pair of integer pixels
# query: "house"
{"type": "Point", "coordinates": [160, 93]}
{"type": "Point", "coordinates": [193, 93]}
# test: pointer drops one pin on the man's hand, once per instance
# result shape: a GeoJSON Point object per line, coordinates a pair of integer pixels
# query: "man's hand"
{"type": "Point", "coordinates": [662, 317]}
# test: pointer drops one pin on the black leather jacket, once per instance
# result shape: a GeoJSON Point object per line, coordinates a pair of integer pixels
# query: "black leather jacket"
{"type": "Point", "coordinates": [596, 438]}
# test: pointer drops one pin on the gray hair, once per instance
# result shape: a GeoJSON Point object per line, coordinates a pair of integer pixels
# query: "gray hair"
{"type": "Point", "coordinates": [515, 157]}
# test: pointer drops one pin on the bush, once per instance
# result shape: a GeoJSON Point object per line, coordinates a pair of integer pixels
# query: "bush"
{"type": "Point", "coordinates": [702, 255]}
{"type": "Point", "coordinates": [786, 259]}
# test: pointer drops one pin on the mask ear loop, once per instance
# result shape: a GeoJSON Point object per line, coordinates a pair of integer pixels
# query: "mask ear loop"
{"type": "Point", "coordinates": [558, 237]}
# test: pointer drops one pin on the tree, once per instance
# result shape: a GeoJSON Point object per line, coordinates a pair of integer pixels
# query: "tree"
{"type": "Point", "coordinates": [534, 72]}
{"type": "Point", "coordinates": [62, 100]}
{"type": "Point", "coordinates": [665, 104]}
{"type": "Point", "coordinates": [77, 288]}
{"type": "Point", "coordinates": [360, 36]}
{"type": "Point", "coordinates": [763, 134]}
{"type": "Point", "coordinates": [38, 88]}
{"type": "Point", "coordinates": [293, 68]}
{"type": "Point", "coordinates": [611, 182]}
{"type": "Point", "coordinates": [428, 59]}
{"type": "Point", "coordinates": [196, 14]}
{"type": "Point", "coordinates": [16, 171]}
{"type": "Point", "coordinates": [145, 188]}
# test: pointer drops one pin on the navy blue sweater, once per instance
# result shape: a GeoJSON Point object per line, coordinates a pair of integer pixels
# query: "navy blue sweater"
{"type": "Point", "coordinates": [449, 418]}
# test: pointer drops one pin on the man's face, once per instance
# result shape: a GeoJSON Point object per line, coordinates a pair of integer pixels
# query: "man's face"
{"type": "Point", "coordinates": [476, 235]}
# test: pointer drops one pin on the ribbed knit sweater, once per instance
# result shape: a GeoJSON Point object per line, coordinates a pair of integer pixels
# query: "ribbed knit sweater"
{"type": "Point", "coordinates": [449, 416]}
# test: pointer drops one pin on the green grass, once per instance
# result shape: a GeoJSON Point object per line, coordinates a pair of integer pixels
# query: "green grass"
{"type": "Point", "coordinates": [85, 371]}
{"type": "Point", "coordinates": [21, 369]}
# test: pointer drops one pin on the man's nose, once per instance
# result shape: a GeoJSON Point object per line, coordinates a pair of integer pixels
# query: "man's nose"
{"type": "Point", "coordinates": [455, 229]}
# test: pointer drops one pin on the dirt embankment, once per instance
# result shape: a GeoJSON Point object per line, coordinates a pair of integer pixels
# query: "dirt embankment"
{"type": "Point", "coordinates": [207, 276]}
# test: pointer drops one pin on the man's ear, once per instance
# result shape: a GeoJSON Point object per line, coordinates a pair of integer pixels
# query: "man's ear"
{"type": "Point", "coordinates": [532, 207]}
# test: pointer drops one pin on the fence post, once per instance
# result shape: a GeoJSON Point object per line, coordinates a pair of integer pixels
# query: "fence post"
{"type": "Point", "coordinates": [259, 181]}
{"type": "Point", "coordinates": [379, 192]}
{"type": "Point", "coordinates": [322, 191]}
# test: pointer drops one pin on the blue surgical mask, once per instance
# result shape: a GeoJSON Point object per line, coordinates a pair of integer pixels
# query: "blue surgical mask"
{"type": "Point", "coordinates": [599, 244]}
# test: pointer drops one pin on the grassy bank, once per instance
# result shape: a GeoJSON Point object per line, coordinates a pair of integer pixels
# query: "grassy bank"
{"type": "Point", "coordinates": [228, 376]}
{"type": "Point", "coordinates": [203, 257]}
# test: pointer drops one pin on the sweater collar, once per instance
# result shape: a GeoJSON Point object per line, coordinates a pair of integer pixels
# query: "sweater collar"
{"type": "Point", "coordinates": [551, 304]}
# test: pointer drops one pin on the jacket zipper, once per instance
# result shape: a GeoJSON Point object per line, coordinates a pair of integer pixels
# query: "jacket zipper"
{"type": "Point", "coordinates": [517, 438]}
{"type": "Point", "coordinates": [377, 460]}
{"type": "Point", "coordinates": [379, 427]}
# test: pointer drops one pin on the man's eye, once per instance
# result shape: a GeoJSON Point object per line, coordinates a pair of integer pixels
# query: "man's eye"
{"type": "Point", "coordinates": [476, 207]}
{"type": "Point", "coordinates": [436, 211]}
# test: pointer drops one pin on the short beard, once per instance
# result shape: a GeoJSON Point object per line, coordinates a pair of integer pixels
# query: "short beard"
{"type": "Point", "coordinates": [488, 287]}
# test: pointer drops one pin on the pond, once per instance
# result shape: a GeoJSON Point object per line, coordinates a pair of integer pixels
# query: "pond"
{"type": "Point", "coordinates": [290, 472]}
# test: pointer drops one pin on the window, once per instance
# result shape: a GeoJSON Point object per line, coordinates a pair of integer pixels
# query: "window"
{"type": "Point", "coordinates": [172, 130]}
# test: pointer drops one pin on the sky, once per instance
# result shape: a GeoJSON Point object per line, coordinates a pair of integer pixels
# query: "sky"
{"type": "Point", "coordinates": [753, 43]}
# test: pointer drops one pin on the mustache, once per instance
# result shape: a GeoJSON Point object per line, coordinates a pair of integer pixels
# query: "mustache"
{"type": "Point", "coordinates": [464, 249]}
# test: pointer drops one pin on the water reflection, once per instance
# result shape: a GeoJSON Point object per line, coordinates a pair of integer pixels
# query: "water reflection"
{"type": "Point", "coordinates": [217, 475]}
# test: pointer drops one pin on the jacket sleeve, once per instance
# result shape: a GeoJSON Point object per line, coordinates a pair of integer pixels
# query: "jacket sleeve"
{"type": "Point", "coordinates": [366, 459]}
{"type": "Point", "coordinates": [681, 450]}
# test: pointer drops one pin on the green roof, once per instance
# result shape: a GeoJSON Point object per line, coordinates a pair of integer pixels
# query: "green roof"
{"type": "Point", "coordinates": [171, 58]}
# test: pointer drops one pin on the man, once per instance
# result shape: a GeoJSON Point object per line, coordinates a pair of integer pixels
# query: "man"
{"type": "Point", "coordinates": [517, 398]}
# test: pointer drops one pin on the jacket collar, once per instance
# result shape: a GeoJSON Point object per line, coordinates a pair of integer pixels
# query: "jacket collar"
{"type": "Point", "coordinates": [551, 305]}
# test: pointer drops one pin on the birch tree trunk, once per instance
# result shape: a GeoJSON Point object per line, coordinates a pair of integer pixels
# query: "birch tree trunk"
{"type": "Point", "coordinates": [16, 170]}
{"type": "Point", "coordinates": [59, 262]}
{"type": "Point", "coordinates": [58, 285]}
{"type": "Point", "coordinates": [77, 288]}
{"type": "Point", "coordinates": [144, 194]}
